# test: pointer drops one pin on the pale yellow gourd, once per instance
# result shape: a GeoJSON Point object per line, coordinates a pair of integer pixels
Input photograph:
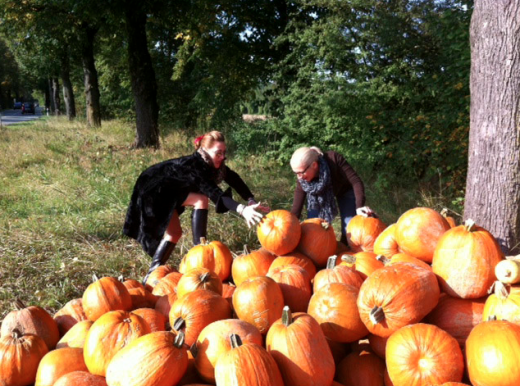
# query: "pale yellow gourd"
{"type": "Point", "coordinates": [508, 271]}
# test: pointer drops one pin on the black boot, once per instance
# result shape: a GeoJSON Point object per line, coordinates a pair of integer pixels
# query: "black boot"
{"type": "Point", "coordinates": [161, 256]}
{"type": "Point", "coordinates": [199, 224]}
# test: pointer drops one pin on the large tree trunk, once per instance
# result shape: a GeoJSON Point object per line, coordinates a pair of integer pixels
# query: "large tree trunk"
{"type": "Point", "coordinates": [68, 92]}
{"type": "Point", "coordinates": [142, 76]}
{"type": "Point", "coordinates": [90, 78]}
{"type": "Point", "coordinates": [56, 95]}
{"type": "Point", "coordinates": [493, 181]}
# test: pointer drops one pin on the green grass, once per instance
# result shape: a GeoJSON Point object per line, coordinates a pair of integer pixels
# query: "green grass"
{"type": "Point", "coordinates": [64, 190]}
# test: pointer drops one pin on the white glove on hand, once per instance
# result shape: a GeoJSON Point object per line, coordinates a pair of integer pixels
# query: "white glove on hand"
{"type": "Point", "coordinates": [250, 214]}
{"type": "Point", "coordinates": [365, 211]}
{"type": "Point", "coordinates": [263, 208]}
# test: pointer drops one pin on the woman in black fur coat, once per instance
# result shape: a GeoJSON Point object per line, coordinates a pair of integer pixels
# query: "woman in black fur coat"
{"type": "Point", "coordinates": [163, 191]}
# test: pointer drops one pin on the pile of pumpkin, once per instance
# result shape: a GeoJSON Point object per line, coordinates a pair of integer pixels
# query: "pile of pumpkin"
{"type": "Point", "coordinates": [401, 305]}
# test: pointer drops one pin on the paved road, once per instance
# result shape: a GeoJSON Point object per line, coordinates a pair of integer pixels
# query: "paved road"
{"type": "Point", "coordinates": [15, 116]}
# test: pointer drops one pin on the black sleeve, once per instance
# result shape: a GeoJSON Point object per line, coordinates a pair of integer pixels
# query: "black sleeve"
{"type": "Point", "coordinates": [234, 180]}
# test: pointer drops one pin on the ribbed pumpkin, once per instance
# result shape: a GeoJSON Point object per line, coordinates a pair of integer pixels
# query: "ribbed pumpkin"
{"type": "Point", "coordinates": [465, 260]}
{"type": "Point", "coordinates": [156, 359]}
{"type": "Point", "coordinates": [237, 366]}
{"type": "Point", "coordinates": [294, 258]}
{"type": "Point", "coordinates": [279, 232]}
{"type": "Point", "coordinates": [503, 304]}
{"type": "Point", "coordinates": [395, 296]}
{"type": "Point", "coordinates": [142, 298]}
{"type": "Point", "coordinates": [337, 274]}
{"type": "Point", "coordinates": [155, 320]}
{"type": "Point", "coordinates": [159, 272]}
{"type": "Point", "coordinates": [19, 358]}
{"type": "Point", "coordinates": [378, 345]}
{"type": "Point", "coordinates": [492, 352]}
{"type": "Point", "coordinates": [300, 349]}
{"type": "Point", "coordinates": [418, 230]}
{"type": "Point", "coordinates": [76, 336]}
{"type": "Point", "coordinates": [80, 378]}
{"type": "Point", "coordinates": [104, 295]}
{"type": "Point", "coordinates": [423, 354]}
{"type": "Point", "coordinates": [259, 301]}
{"type": "Point", "coordinates": [361, 368]}
{"type": "Point", "coordinates": [199, 278]}
{"type": "Point", "coordinates": [57, 363]}
{"type": "Point", "coordinates": [317, 240]}
{"type": "Point", "coordinates": [362, 232]}
{"type": "Point", "coordinates": [250, 264]}
{"type": "Point", "coordinates": [31, 320]}
{"type": "Point", "coordinates": [164, 304]}
{"type": "Point", "coordinates": [386, 243]}
{"type": "Point", "coordinates": [191, 313]}
{"type": "Point", "coordinates": [403, 258]}
{"type": "Point", "coordinates": [213, 342]}
{"type": "Point", "coordinates": [456, 316]}
{"type": "Point", "coordinates": [334, 308]}
{"type": "Point", "coordinates": [131, 283]}
{"type": "Point", "coordinates": [109, 334]}
{"type": "Point", "coordinates": [363, 262]}
{"type": "Point", "coordinates": [167, 284]}
{"type": "Point", "coordinates": [214, 256]}
{"type": "Point", "coordinates": [295, 283]}
{"type": "Point", "coordinates": [70, 314]}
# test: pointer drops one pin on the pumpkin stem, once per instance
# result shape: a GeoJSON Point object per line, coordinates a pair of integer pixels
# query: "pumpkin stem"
{"type": "Point", "coordinates": [121, 278]}
{"type": "Point", "coordinates": [18, 304]}
{"type": "Point", "coordinates": [377, 315]}
{"type": "Point", "coordinates": [16, 333]}
{"type": "Point", "coordinates": [179, 324]}
{"type": "Point", "coordinates": [444, 212]}
{"type": "Point", "coordinates": [205, 277]}
{"type": "Point", "coordinates": [331, 262]}
{"type": "Point", "coordinates": [287, 318]}
{"type": "Point", "coordinates": [383, 259]}
{"type": "Point", "coordinates": [501, 290]}
{"type": "Point", "coordinates": [491, 318]}
{"type": "Point", "coordinates": [469, 224]}
{"type": "Point", "coordinates": [203, 241]}
{"type": "Point", "coordinates": [179, 340]}
{"type": "Point", "coordinates": [348, 259]}
{"type": "Point", "coordinates": [236, 342]}
{"type": "Point", "coordinates": [94, 278]}
{"type": "Point", "coordinates": [325, 225]}
{"type": "Point", "coordinates": [246, 250]}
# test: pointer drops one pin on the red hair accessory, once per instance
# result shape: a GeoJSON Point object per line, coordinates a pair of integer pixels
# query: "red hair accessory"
{"type": "Point", "coordinates": [198, 139]}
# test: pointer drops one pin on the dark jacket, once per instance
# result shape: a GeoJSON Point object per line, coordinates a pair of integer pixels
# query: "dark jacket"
{"type": "Point", "coordinates": [343, 178]}
{"type": "Point", "coordinates": [163, 187]}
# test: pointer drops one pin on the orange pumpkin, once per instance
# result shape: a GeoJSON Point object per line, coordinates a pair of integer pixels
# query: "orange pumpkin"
{"type": "Point", "coordinates": [337, 274]}
{"type": "Point", "coordinates": [418, 230]}
{"type": "Point", "coordinates": [104, 295]}
{"type": "Point", "coordinates": [57, 363]}
{"type": "Point", "coordinates": [156, 359]}
{"type": "Point", "coordinates": [279, 232]}
{"type": "Point", "coordinates": [164, 304]}
{"type": "Point", "coordinates": [361, 368]}
{"type": "Point", "coordinates": [295, 284]}
{"type": "Point", "coordinates": [492, 352]}
{"type": "Point", "coordinates": [80, 378]}
{"type": "Point", "coordinates": [214, 256]}
{"type": "Point", "coordinates": [363, 262]}
{"type": "Point", "coordinates": [242, 361]}
{"type": "Point", "coordinates": [132, 283]}
{"type": "Point", "coordinates": [378, 345]}
{"type": "Point", "coordinates": [70, 314]}
{"type": "Point", "coordinates": [259, 301]}
{"type": "Point", "coordinates": [155, 320]}
{"type": "Point", "coordinates": [362, 232]}
{"type": "Point", "coordinates": [228, 289]}
{"type": "Point", "coordinates": [294, 258]}
{"type": "Point", "coordinates": [339, 350]}
{"type": "Point", "coordinates": [503, 304]}
{"type": "Point", "coordinates": [386, 243]}
{"type": "Point", "coordinates": [300, 349]}
{"type": "Point", "coordinates": [31, 320]}
{"type": "Point", "coordinates": [395, 296]}
{"type": "Point", "coordinates": [317, 240]}
{"type": "Point", "coordinates": [404, 258]}
{"type": "Point", "coordinates": [449, 219]}
{"type": "Point", "coordinates": [76, 336]}
{"type": "Point", "coordinates": [142, 298]}
{"type": "Point", "coordinates": [167, 284]}
{"type": "Point", "coordinates": [199, 278]}
{"type": "Point", "coordinates": [465, 260]}
{"type": "Point", "coordinates": [20, 356]}
{"type": "Point", "coordinates": [159, 272]}
{"type": "Point", "coordinates": [423, 354]}
{"type": "Point", "coordinates": [251, 264]}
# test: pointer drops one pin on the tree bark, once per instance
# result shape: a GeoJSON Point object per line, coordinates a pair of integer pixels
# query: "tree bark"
{"type": "Point", "coordinates": [90, 78]}
{"type": "Point", "coordinates": [68, 92]}
{"type": "Point", "coordinates": [493, 180]}
{"type": "Point", "coordinates": [52, 106]}
{"type": "Point", "coordinates": [142, 77]}
{"type": "Point", "coordinates": [56, 95]}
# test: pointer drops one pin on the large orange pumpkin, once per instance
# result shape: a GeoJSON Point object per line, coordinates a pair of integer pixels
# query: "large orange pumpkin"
{"type": "Point", "coordinates": [70, 314]}
{"type": "Point", "coordinates": [337, 274]}
{"type": "Point", "coordinates": [142, 298]}
{"type": "Point", "coordinates": [361, 368]}
{"type": "Point", "coordinates": [503, 304]}
{"type": "Point", "coordinates": [362, 232]}
{"type": "Point", "coordinates": [165, 303]}
{"type": "Point", "coordinates": [363, 262]}
{"type": "Point", "coordinates": [155, 320]}
{"type": "Point", "coordinates": [295, 283]}
{"type": "Point", "coordinates": [57, 363]}
{"type": "Point", "coordinates": [76, 336]}
{"type": "Point", "coordinates": [386, 243]}
{"type": "Point", "coordinates": [214, 256]}
{"type": "Point", "coordinates": [104, 295]}
{"type": "Point", "coordinates": [403, 258]}
{"type": "Point", "coordinates": [294, 258]}
{"type": "Point", "coordinates": [300, 349]}
{"type": "Point", "coordinates": [492, 352]}
{"type": "Point", "coordinates": [167, 284]}
{"type": "Point", "coordinates": [395, 296]}
{"type": "Point", "coordinates": [279, 232]}
{"type": "Point", "coordinates": [199, 278]}
{"type": "Point", "coordinates": [317, 240]}
{"type": "Point", "coordinates": [80, 378]}
{"type": "Point", "coordinates": [159, 272]}
{"type": "Point", "coordinates": [249, 264]}
{"type": "Point", "coordinates": [465, 260]}
{"type": "Point", "coordinates": [418, 230]}
{"type": "Point", "coordinates": [423, 354]}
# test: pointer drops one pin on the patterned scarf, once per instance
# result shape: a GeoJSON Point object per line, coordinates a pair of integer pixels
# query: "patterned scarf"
{"type": "Point", "coordinates": [218, 174]}
{"type": "Point", "coordinates": [320, 195]}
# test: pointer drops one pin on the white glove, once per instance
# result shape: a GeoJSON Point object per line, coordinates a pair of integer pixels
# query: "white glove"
{"type": "Point", "coordinates": [365, 211]}
{"type": "Point", "coordinates": [263, 208]}
{"type": "Point", "coordinates": [250, 214]}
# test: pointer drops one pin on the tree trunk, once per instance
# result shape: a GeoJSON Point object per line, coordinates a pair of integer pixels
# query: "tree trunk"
{"type": "Point", "coordinates": [52, 106]}
{"type": "Point", "coordinates": [90, 78]}
{"type": "Point", "coordinates": [56, 95]}
{"type": "Point", "coordinates": [68, 92]}
{"type": "Point", "coordinates": [493, 180]}
{"type": "Point", "coordinates": [47, 98]}
{"type": "Point", "coordinates": [142, 76]}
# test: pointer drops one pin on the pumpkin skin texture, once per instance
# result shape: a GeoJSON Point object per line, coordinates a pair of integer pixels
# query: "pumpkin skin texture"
{"type": "Point", "coordinates": [395, 296]}
{"type": "Point", "coordinates": [503, 304]}
{"type": "Point", "coordinates": [294, 258]}
{"type": "Point", "coordinates": [295, 284]}
{"type": "Point", "coordinates": [142, 298]}
{"type": "Point", "coordinates": [165, 303]}
{"type": "Point", "coordinates": [378, 345]}
{"type": "Point", "coordinates": [259, 301]}
{"type": "Point", "coordinates": [104, 295]}
{"type": "Point", "coordinates": [76, 336]}
{"type": "Point", "coordinates": [465, 260]}
{"type": "Point", "coordinates": [70, 314]}
{"type": "Point", "coordinates": [361, 368]}
{"type": "Point", "coordinates": [279, 232]}
{"type": "Point", "coordinates": [167, 284]}
{"type": "Point", "coordinates": [492, 352]}
{"type": "Point", "coordinates": [228, 289]}
{"type": "Point", "coordinates": [250, 264]}
{"type": "Point", "coordinates": [418, 230]}
{"type": "Point", "coordinates": [31, 320]}
{"type": "Point", "coordinates": [108, 335]}
{"type": "Point", "coordinates": [363, 262]}
{"type": "Point", "coordinates": [423, 354]}
{"type": "Point", "coordinates": [337, 274]}
{"type": "Point", "coordinates": [19, 358]}
{"type": "Point", "coordinates": [300, 349]}
{"type": "Point", "coordinates": [247, 365]}
{"type": "Point", "coordinates": [80, 378]}
{"type": "Point", "coordinates": [214, 256]}
{"type": "Point", "coordinates": [317, 240]}
{"type": "Point", "coordinates": [160, 272]}
{"type": "Point", "coordinates": [155, 320]}
{"type": "Point", "coordinates": [57, 363]}
{"type": "Point", "coordinates": [404, 258]}
{"type": "Point", "coordinates": [199, 278]}
{"type": "Point", "coordinates": [362, 232]}
{"type": "Point", "coordinates": [156, 359]}
{"type": "Point", "coordinates": [213, 342]}
{"type": "Point", "coordinates": [386, 243]}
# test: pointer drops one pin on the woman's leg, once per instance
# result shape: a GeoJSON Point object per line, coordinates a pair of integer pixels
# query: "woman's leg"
{"type": "Point", "coordinates": [199, 216]}
{"type": "Point", "coordinates": [347, 210]}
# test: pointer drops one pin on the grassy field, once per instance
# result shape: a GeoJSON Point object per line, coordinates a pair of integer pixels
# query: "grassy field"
{"type": "Point", "coordinates": [64, 190]}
